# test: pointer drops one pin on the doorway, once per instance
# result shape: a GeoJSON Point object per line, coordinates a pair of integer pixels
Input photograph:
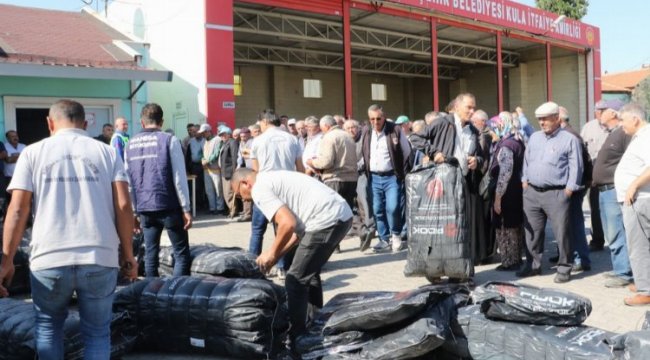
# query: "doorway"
{"type": "Point", "coordinates": [31, 124]}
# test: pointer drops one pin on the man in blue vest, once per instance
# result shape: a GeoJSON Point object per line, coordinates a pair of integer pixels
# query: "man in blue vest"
{"type": "Point", "coordinates": [156, 169]}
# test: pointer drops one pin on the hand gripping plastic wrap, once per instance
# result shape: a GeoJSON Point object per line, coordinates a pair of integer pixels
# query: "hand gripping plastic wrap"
{"type": "Point", "coordinates": [212, 315]}
{"type": "Point", "coordinates": [437, 226]}
{"type": "Point", "coordinates": [531, 305]}
{"type": "Point", "coordinates": [490, 339]}
{"type": "Point", "coordinates": [208, 259]}
{"type": "Point", "coordinates": [20, 284]}
{"type": "Point", "coordinates": [17, 318]}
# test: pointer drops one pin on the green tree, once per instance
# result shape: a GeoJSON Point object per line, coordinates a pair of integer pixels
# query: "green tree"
{"type": "Point", "coordinates": [575, 9]}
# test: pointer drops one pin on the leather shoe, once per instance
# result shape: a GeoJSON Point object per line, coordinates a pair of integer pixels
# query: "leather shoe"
{"type": "Point", "coordinates": [507, 268]}
{"type": "Point", "coordinates": [580, 267]}
{"type": "Point", "coordinates": [637, 300]}
{"type": "Point", "coordinates": [528, 272]}
{"type": "Point", "coordinates": [366, 239]}
{"type": "Point", "coordinates": [561, 278]}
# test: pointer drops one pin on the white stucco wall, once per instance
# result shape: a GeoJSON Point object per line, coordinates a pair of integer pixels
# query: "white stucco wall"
{"type": "Point", "coordinates": [175, 31]}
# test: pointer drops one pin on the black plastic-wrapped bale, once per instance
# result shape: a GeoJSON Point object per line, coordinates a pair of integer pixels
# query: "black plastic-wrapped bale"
{"type": "Point", "coordinates": [490, 339]}
{"type": "Point", "coordinates": [212, 315]}
{"type": "Point", "coordinates": [531, 305]}
{"type": "Point", "coordinates": [425, 334]}
{"type": "Point", "coordinates": [208, 259]}
{"type": "Point", "coordinates": [377, 313]}
{"type": "Point", "coordinates": [314, 344]}
{"type": "Point", "coordinates": [437, 226]}
{"type": "Point", "coordinates": [634, 344]}
{"type": "Point", "coordinates": [17, 320]}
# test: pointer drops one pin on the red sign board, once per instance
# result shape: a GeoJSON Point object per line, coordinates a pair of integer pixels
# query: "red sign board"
{"type": "Point", "coordinates": [510, 14]}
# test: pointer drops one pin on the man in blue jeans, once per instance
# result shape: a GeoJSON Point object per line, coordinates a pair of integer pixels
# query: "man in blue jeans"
{"type": "Point", "coordinates": [611, 215]}
{"type": "Point", "coordinates": [274, 149]}
{"type": "Point", "coordinates": [311, 219]}
{"type": "Point", "coordinates": [154, 163]}
{"type": "Point", "coordinates": [385, 152]}
{"type": "Point", "coordinates": [82, 212]}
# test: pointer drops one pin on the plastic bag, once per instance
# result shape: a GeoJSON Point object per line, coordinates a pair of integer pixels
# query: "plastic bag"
{"type": "Point", "coordinates": [422, 336]}
{"type": "Point", "coordinates": [211, 315]}
{"type": "Point", "coordinates": [531, 305]}
{"type": "Point", "coordinates": [490, 339]}
{"type": "Point", "coordinates": [314, 344]}
{"type": "Point", "coordinates": [377, 313]}
{"type": "Point", "coordinates": [208, 259]}
{"type": "Point", "coordinates": [439, 243]}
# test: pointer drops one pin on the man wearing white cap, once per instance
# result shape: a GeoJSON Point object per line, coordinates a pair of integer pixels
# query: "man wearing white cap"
{"type": "Point", "coordinates": [552, 171]}
{"type": "Point", "coordinates": [291, 126]}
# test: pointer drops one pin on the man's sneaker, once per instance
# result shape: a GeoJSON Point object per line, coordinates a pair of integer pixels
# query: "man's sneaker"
{"type": "Point", "coordinates": [617, 282]}
{"type": "Point", "coordinates": [382, 246]}
{"type": "Point", "coordinates": [282, 274]}
{"type": "Point", "coordinates": [396, 243]}
{"type": "Point", "coordinates": [561, 278]}
{"type": "Point", "coordinates": [578, 267]}
{"type": "Point", "coordinates": [610, 274]}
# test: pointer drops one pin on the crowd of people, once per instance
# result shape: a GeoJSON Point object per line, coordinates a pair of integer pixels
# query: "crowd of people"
{"type": "Point", "coordinates": [317, 181]}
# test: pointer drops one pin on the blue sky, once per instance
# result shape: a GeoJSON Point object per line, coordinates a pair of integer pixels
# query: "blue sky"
{"type": "Point", "coordinates": [624, 30]}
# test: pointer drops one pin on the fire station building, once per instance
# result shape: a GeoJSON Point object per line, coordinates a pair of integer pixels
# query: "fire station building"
{"type": "Point", "coordinates": [233, 58]}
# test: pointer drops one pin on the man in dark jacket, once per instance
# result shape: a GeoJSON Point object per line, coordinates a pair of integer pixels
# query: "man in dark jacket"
{"type": "Point", "coordinates": [385, 152]}
{"type": "Point", "coordinates": [228, 164]}
{"type": "Point", "coordinates": [454, 139]}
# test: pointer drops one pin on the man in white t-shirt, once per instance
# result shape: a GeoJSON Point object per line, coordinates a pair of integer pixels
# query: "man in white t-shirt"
{"type": "Point", "coordinates": [308, 215]}
{"type": "Point", "coordinates": [632, 184]}
{"type": "Point", "coordinates": [82, 212]}
{"type": "Point", "coordinates": [274, 149]}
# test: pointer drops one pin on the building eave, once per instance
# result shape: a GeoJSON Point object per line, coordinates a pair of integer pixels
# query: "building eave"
{"type": "Point", "coordinates": [73, 72]}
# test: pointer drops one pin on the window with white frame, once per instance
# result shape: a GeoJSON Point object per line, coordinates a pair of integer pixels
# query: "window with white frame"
{"type": "Point", "coordinates": [312, 88]}
{"type": "Point", "coordinates": [378, 92]}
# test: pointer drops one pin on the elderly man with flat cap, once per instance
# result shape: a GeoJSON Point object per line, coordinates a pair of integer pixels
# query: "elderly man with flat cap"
{"type": "Point", "coordinates": [552, 172]}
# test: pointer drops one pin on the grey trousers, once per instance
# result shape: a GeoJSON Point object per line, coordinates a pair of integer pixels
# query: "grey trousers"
{"type": "Point", "coordinates": [538, 207]}
{"type": "Point", "coordinates": [364, 205]}
{"type": "Point", "coordinates": [636, 219]}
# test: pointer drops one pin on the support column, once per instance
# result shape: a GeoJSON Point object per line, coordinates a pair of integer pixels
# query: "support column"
{"type": "Point", "coordinates": [220, 63]}
{"type": "Point", "coordinates": [434, 64]}
{"type": "Point", "coordinates": [347, 56]}
{"type": "Point", "coordinates": [499, 73]}
{"type": "Point", "coordinates": [549, 75]}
